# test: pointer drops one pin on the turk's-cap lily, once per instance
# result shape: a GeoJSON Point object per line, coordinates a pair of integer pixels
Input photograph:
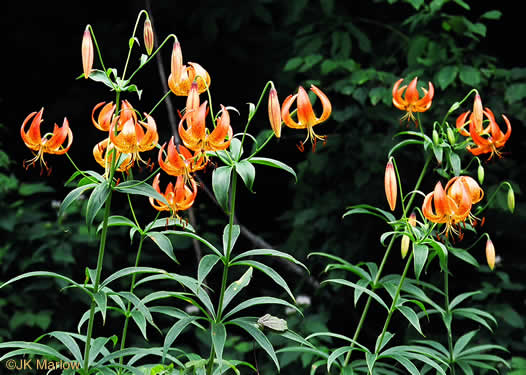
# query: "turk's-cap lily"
{"type": "Point", "coordinates": [306, 119]}
{"type": "Point", "coordinates": [179, 197]}
{"type": "Point", "coordinates": [274, 112]}
{"type": "Point", "coordinates": [390, 184]}
{"type": "Point", "coordinates": [87, 52]}
{"type": "Point", "coordinates": [411, 101]}
{"type": "Point", "coordinates": [104, 156]}
{"type": "Point", "coordinates": [182, 76]}
{"type": "Point", "coordinates": [179, 161]}
{"type": "Point", "coordinates": [135, 137]}
{"type": "Point", "coordinates": [50, 143]}
{"type": "Point", "coordinates": [195, 135]}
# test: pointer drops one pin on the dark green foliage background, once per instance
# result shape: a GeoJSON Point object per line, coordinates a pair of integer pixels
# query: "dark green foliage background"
{"type": "Point", "coordinates": [354, 51]}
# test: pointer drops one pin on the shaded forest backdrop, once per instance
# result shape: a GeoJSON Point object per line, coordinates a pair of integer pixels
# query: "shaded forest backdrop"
{"type": "Point", "coordinates": [354, 50]}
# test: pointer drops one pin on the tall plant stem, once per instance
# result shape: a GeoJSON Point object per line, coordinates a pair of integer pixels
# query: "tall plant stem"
{"type": "Point", "coordinates": [224, 278]}
{"type": "Point", "coordinates": [132, 287]}
{"type": "Point", "coordinates": [448, 322]}
{"type": "Point", "coordinates": [96, 283]}
{"type": "Point", "coordinates": [374, 286]}
{"type": "Point", "coordinates": [395, 300]}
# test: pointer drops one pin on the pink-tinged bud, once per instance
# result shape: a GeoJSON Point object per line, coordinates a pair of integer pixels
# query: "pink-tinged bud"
{"type": "Point", "coordinates": [177, 62]}
{"type": "Point", "coordinates": [391, 187]}
{"type": "Point", "coordinates": [148, 36]}
{"type": "Point", "coordinates": [87, 52]}
{"type": "Point", "coordinates": [274, 112]}
{"type": "Point", "coordinates": [405, 238]}
{"type": "Point", "coordinates": [490, 254]}
{"type": "Point", "coordinates": [477, 113]}
{"type": "Point", "coordinates": [412, 219]}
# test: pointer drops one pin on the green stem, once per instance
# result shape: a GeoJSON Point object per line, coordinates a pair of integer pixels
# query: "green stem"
{"type": "Point", "coordinates": [128, 307]}
{"type": "Point", "coordinates": [395, 299]}
{"type": "Point", "coordinates": [96, 283]}
{"type": "Point", "coordinates": [131, 46]}
{"type": "Point", "coordinates": [448, 326]}
{"type": "Point", "coordinates": [374, 285]}
{"type": "Point", "coordinates": [224, 278]}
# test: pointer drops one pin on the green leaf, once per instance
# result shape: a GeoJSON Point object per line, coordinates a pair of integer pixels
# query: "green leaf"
{"type": "Point", "coordinates": [270, 272]}
{"type": "Point", "coordinates": [66, 339]}
{"type": "Point", "coordinates": [461, 343]}
{"type": "Point", "coordinates": [411, 317]}
{"type": "Point", "coordinates": [236, 286]}
{"type": "Point", "coordinates": [119, 221]}
{"type": "Point", "coordinates": [371, 210]}
{"type": "Point", "coordinates": [361, 288]}
{"type": "Point", "coordinates": [47, 274]}
{"type": "Point", "coordinates": [273, 163]}
{"type": "Point", "coordinates": [247, 172]}
{"type": "Point", "coordinates": [233, 233]}
{"type": "Point", "coordinates": [492, 15]}
{"type": "Point", "coordinates": [218, 335]}
{"type": "Point", "coordinates": [293, 63]}
{"type": "Point", "coordinates": [464, 255]}
{"type": "Point", "coordinates": [31, 347]}
{"type": "Point", "coordinates": [194, 236]}
{"type": "Point", "coordinates": [221, 185]}
{"type": "Point", "coordinates": [259, 301]}
{"type": "Point", "coordinates": [135, 187]}
{"type": "Point", "coordinates": [96, 200]}
{"type": "Point", "coordinates": [515, 92]}
{"type": "Point", "coordinates": [454, 159]}
{"type": "Point", "coordinates": [236, 149]}
{"type": "Point", "coordinates": [252, 329]}
{"type": "Point", "coordinates": [205, 266]}
{"type": "Point", "coordinates": [461, 297]}
{"type": "Point", "coordinates": [446, 76]}
{"type": "Point", "coordinates": [386, 338]}
{"type": "Point", "coordinates": [469, 75]}
{"type": "Point", "coordinates": [129, 271]}
{"type": "Point", "coordinates": [26, 189]}
{"type": "Point", "coordinates": [164, 244]}
{"type": "Point", "coordinates": [370, 359]}
{"type": "Point", "coordinates": [101, 299]}
{"type": "Point", "coordinates": [73, 196]}
{"type": "Point", "coordinates": [420, 252]}
{"type": "Point", "coordinates": [100, 76]}
{"type": "Point", "coordinates": [140, 321]}
{"type": "Point", "coordinates": [270, 252]}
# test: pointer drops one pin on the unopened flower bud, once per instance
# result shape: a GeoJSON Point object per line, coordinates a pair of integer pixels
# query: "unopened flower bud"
{"type": "Point", "coordinates": [274, 112]}
{"type": "Point", "coordinates": [511, 200]}
{"type": "Point", "coordinates": [390, 184]}
{"type": "Point", "coordinates": [404, 247]}
{"type": "Point", "coordinates": [87, 52]}
{"type": "Point", "coordinates": [480, 174]}
{"type": "Point", "coordinates": [148, 36]}
{"type": "Point", "coordinates": [490, 254]}
{"type": "Point", "coordinates": [436, 140]}
{"type": "Point", "coordinates": [451, 136]}
{"type": "Point", "coordinates": [176, 63]}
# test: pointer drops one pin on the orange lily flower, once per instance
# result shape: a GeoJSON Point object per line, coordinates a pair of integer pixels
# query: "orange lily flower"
{"type": "Point", "coordinates": [106, 118]}
{"type": "Point", "coordinates": [493, 140]}
{"type": "Point", "coordinates": [475, 118]}
{"type": "Point", "coordinates": [104, 156]}
{"type": "Point", "coordinates": [196, 136]}
{"type": "Point", "coordinates": [182, 76]}
{"type": "Point", "coordinates": [180, 197]}
{"type": "Point", "coordinates": [87, 52]}
{"type": "Point", "coordinates": [51, 143]}
{"type": "Point", "coordinates": [458, 185]}
{"type": "Point", "coordinates": [274, 112]}
{"type": "Point", "coordinates": [180, 163]}
{"type": "Point", "coordinates": [132, 139]}
{"type": "Point", "coordinates": [412, 101]}
{"type": "Point", "coordinates": [447, 209]}
{"type": "Point", "coordinates": [306, 117]}
{"type": "Point", "coordinates": [148, 36]}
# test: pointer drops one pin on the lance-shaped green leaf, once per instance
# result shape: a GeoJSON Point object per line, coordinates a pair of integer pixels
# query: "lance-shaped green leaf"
{"type": "Point", "coordinates": [247, 172]}
{"type": "Point", "coordinates": [270, 272]}
{"type": "Point", "coordinates": [73, 196]}
{"type": "Point", "coordinates": [135, 187]}
{"type": "Point", "coordinates": [66, 339]}
{"type": "Point", "coordinates": [96, 201]}
{"type": "Point", "coordinates": [98, 347]}
{"type": "Point", "coordinates": [232, 233]}
{"type": "Point", "coordinates": [119, 221]}
{"type": "Point", "coordinates": [139, 305]}
{"type": "Point", "coordinates": [420, 252]}
{"type": "Point", "coordinates": [411, 316]}
{"type": "Point", "coordinates": [218, 335]}
{"type": "Point", "coordinates": [273, 163]}
{"type": "Point", "coordinates": [236, 149]}
{"type": "Point", "coordinates": [164, 244]}
{"type": "Point", "coordinates": [101, 299]}
{"type": "Point", "coordinates": [48, 274]}
{"type": "Point", "coordinates": [221, 185]}
{"type": "Point", "coordinates": [30, 347]}
{"type": "Point", "coordinates": [175, 331]}
{"type": "Point", "coordinates": [371, 210]}
{"type": "Point", "coordinates": [234, 288]}
{"type": "Point", "coordinates": [140, 321]}
{"type": "Point", "coordinates": [195, 236]}
{"type": "Point", "coordinates": [205, 266]}
{"type": "Point", "coordinates": [168, 222]}
{"type": "Point", "coordinates": [361, 288]}
{"type": "Point", "coordinates": [269, 252]}
{"type": "Point", "coordinates": [129, 271]}
{"type": "Point", "coordinates": [260, 301]}
{"type": "Point", "coordinates": [252, 329]}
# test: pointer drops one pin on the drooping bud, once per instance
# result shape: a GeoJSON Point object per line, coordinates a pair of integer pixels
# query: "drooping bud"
{"type": "Point", "coordinates": [451, 136]}
{"type": "Point", "coordinates": [390, 184]}
{"type": "Point", "coordinates": [87, 52]}
{"type": "Point", "coordinates": [148, 36]}
{"type": "Point", "coordinates": [511, 200]}
{"type": "Point", "coordinates": [176, 62]}
{"type": "Point", "coordinates": [477, 116]}
{"type": "Point", "coordinates": [490, 254]}
{"type": "Point", "coordinates": [274, 112]}
{"type": "Point", "coordinates": [436, 140]}
{"type": "Point", "coordinates": [480, 174]}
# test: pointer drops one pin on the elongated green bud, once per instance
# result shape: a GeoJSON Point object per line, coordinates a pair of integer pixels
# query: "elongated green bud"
{"type": "Point", "coordinates": [511, 200]}
{"type": "Point", "coordinates": [436, 140]}
{"type": "Point", "coordinates": [451, 136]}
{"type": "Point", "coordinates": [480, 174]}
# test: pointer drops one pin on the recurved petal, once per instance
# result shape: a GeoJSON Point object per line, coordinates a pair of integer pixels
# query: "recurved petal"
{"type": "Point", "coordinates": [305, 113]}
{"type": "Point", "coordinates": [326, 104]}
{"type": "Point", "coordinates": [151, 137]}
{"type": "Point", "coordinates": [285, 113]}
{"type": "Point", "coordinates": [411, 94]}
{"type": "Point", "coordinates": [32, 137]}
{"type": "Point", "coordinates": [54, 144]}
{"type": "Point", "coordinates": [461, 123]}
{"type": "Point", "coordinates": [126, 140]}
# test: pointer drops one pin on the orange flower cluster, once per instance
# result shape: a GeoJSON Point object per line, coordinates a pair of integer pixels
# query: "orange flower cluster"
{"type": "Point", "coordinates": [489, 139]}
{"type": "Point", "coordinates": [452, 205]}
